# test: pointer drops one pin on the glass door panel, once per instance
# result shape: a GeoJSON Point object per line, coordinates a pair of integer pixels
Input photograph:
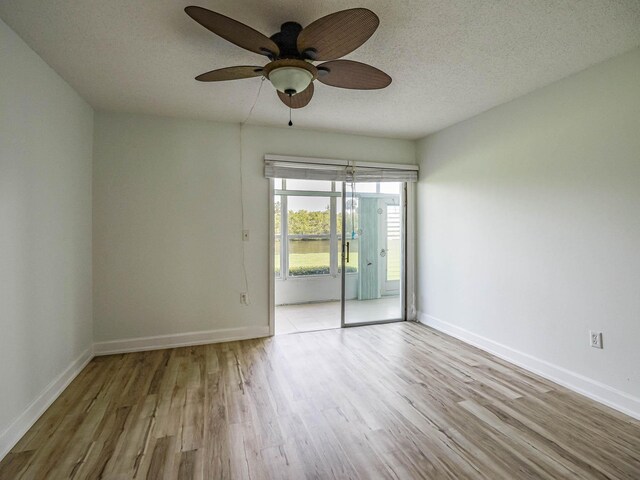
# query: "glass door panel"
{"type": "Point", "coordinates": [373, 256]}
{"type": "Point", "coordinates": [306, 255]}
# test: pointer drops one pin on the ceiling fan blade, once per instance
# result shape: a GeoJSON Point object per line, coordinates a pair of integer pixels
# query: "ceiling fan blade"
{"type": "Point", "coordinates": [350, 74]}
{"type": "Point", "coordinates": [298, 100]}
{"type": "Point", "coordinates": [230, 73]}
{"type": "Point", "coordinates": [233, 31]}
{"type": "Point", "coordinates": [337, 34]}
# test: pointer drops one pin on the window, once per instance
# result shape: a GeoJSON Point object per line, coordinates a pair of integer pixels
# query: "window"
{"type": "Point", "coordinates": [305, 218]}
{"type": "Point", "coordinates": [390, 187]}
{"type": "Point", "coordinates": [309, 235]}
{"type": "Point", "coordinates": [394, 254]}
{"type": "Point", "coordinates": [308, 227]}
{"type": "Point", "coordinates": [310, 185]}
{"type": "Point", "coordinates": [352, 231]}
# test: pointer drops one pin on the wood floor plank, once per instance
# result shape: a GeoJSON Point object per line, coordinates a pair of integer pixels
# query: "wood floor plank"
{"type": "Point", "coordinates": [15, 463]}
{"type": "Point", "coordinates": [391, 401]}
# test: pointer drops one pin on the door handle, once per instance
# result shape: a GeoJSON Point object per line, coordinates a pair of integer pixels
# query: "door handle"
{"type": "Point", "coordinates": [347, 252]}
{"type": "Point", "coordinates": [383, 253]}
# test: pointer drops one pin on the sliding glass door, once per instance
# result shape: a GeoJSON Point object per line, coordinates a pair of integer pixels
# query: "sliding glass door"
{"type": "Point", "coordinates": [338, 252]}
{"type": "Point", "coordinates": [372, 237]}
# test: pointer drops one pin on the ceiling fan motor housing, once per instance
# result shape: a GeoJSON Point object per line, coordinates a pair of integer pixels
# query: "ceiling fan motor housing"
{"type": "Point", "coordinates": [287, 40]}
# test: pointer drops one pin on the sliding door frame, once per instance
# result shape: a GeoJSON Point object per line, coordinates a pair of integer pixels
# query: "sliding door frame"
{"type": "Point", "coordinates": [271, 259]}
{"type": "Point", "coordinates": [408, 297]}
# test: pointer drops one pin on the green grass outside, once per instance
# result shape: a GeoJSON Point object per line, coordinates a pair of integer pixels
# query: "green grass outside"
{"type": "Point", "coordinates": [310, 260]}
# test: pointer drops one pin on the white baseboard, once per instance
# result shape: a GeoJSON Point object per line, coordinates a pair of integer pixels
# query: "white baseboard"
{"type": "Point", "coordinates": [588, 387]}
{"type": "Point", "coordinates": [51, 392]}
{"type": "Point", "coordinates": [13, 433]}
{"type": "Point", "coordinates": [179, 340]}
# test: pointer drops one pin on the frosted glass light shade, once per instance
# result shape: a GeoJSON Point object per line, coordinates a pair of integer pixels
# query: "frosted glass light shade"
{"type": "Point", "coordinates": [286, 79]}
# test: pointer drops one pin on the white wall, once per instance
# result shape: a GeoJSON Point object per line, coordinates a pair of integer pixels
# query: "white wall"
{"type": "Point", "coordinates": [45, 231]}
{"type": "Point", "coordinates": [529, 229]}
{"type": "Point", "coordinates": [321, 288]}
{"type": "Point", "coordinates": [167, 220]}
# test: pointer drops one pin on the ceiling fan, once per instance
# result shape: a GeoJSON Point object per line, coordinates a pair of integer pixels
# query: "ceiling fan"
{"type": "Point", "coordinates": [293, 50]}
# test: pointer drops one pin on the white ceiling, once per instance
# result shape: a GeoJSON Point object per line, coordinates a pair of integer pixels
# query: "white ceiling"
{"type": "Point", "coordinates": [449, 59]}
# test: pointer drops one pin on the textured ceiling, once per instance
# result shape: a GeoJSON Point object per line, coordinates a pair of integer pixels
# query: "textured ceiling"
{"type": "Point", "coordinates": [449, 59]}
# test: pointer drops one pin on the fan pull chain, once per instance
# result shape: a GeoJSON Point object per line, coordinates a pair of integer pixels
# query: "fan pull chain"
{"type": "Point", "coordinates": [290, 122]}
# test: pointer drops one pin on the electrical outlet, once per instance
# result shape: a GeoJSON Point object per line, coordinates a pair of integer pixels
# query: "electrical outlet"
{"type": "Point", "coordinates": [245, 235]}
{"type": "Point", "coordinates": [244, 298]}
{"type": "Point", "coordinates": [595, 339]}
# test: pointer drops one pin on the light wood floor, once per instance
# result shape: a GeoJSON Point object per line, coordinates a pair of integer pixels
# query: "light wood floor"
{"type": "Point", "coordinates": [388, 401]}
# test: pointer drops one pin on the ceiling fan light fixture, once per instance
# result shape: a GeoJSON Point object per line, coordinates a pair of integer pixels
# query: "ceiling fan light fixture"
{"type": "Point", "coordinates": [290, 79]}
{"type": "Point", "coordinates": [290, 75]}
